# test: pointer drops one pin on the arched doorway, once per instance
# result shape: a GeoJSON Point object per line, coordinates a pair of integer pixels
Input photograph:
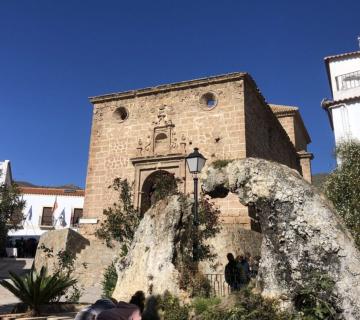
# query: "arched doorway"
{"type": "Point", "coordinates": [149, 187]}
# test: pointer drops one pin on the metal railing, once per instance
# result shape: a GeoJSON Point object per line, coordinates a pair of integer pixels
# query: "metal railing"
{"type": "Point", "coordinates": [218, 285]}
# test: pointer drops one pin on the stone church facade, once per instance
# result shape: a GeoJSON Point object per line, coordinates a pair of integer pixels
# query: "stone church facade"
{"type": "Point", "coordinates": [137, 133]}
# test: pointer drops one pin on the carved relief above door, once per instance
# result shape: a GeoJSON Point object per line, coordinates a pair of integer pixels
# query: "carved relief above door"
{"type": "Point", "coordinates": [162, 139]}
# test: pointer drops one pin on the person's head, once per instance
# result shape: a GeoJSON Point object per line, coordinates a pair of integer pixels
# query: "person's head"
{"type": "Point", "coordinates": [238, 258]}
{"type": "Point", "coordinates": [241, 257]}
{"type": "Point", "coordinates": [248, 255]}
{"type": "Point", "coordinates": [138, 299]}
{"type": "Point", "coordinates": [230, 257]}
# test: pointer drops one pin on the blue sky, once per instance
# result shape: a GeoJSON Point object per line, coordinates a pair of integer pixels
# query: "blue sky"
{"type": "Point", "coordinates": [55, 54]}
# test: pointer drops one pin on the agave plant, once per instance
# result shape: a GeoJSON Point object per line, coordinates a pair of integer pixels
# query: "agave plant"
{"type": "Point", "coordinates": [36, 289]}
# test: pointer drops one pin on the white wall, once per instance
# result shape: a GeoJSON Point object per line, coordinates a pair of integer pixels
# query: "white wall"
{"type": "Point", "coordinates": [341, 67]}
{"type": "Point", "coordinates": [5, 172]}
{"type": "Point", "coordinates": [346, 120]}
{"type": "Point", "coordinates": [37, 201]}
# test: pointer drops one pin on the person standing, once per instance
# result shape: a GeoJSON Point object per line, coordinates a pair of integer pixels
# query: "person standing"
{"type": "Point", "coordinates": [246, 267]}
{"type": "Point", "coordinates": [231, 272]}
{"type": "Point", "coordinates": [242, 276]}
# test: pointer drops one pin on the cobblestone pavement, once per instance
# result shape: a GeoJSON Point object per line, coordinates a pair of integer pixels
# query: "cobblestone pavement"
{"type": "Point", "coordinates": [19, 266]}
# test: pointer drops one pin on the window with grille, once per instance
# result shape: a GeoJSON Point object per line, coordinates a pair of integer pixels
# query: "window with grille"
{"type": "Point", "coordinates": [348, 80]}
{"type": "Point", "coordinates": [78, 213]}
{"type": "Point", "coordinates": [47, 217]}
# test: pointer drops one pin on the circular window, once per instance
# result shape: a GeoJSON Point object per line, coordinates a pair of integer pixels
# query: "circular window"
{"type": "Point", "coordinates": [208, 100]}
{"type": "Point", "coordinates": [121, 114]}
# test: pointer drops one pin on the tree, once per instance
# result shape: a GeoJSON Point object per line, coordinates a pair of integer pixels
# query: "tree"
{"type": "Point", "coordinates": [343, 186]}
{"type": "Point", "coordinates": [11, 206]}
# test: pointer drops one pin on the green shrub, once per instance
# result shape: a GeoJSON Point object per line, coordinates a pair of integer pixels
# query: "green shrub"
{"type": "Point", "coordinates": [314, 301]}
{"type": "Point", "coordinates": [109, 281]}
{"type": "Point", "coordinates": [342, 186]}
{"type": "Point", "coordinates": [200, 286]}
{"type": "Point", "coordinates": [36, 289]}
{"type": "Point", "coordinates": [201, 305]}
{"type": "Point", "coordinates": [172, 308]}
{"type": "Point", "coordinates": [165, 307]}
{"type": "Point", "coordinates": [242, 305]}
{"type": "Point", "coordinates": [121, 220]}
{"type": "Point", "coordinates": [165, 185]}
{"type": "Point", "coordinates": [191, 279]}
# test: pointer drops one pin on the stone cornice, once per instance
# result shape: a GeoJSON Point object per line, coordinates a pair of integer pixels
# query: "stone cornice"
{"type": "Point", "coordinates": [152, 159]}
{"type": "Point", "coordinates": [170, 87]}
{"type": "Point", "coordinates": [305, 155]}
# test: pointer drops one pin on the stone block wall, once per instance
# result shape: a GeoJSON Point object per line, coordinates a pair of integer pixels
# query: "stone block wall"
{"type": "Point", "coordinates": [218, 132]}
{"type": "Point", "coordinates": [232, 239]}
{"type": "Point", "coordinates": [236, 124]}
{"type": "Point", "coordinates": [265, 136]}
{"type": "Point", "coordinates": [287, 123]}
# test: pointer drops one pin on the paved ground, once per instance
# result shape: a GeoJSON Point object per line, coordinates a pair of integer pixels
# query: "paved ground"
{"type": "Point", "coordinates": [63, 316]}
{"type": "Point", "coordinates": [18, 266]}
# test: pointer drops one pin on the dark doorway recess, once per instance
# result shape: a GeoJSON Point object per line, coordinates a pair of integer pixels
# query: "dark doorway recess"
{"type": "Point", "coordinates": [149, 187]}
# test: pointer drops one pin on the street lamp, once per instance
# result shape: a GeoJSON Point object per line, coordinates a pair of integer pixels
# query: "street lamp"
{"type": "Point", "coordinates": [195, 162]}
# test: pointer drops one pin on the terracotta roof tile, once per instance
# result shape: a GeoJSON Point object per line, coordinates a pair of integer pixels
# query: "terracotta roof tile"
{"type": "Point", "coordinates": [53, 191]}
{"type": "Point", "coordinates": [279, 108]}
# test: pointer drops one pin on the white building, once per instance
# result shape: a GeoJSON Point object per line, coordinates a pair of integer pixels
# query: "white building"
{"type": "Point", "coordinates": [343, 72]}
{"type": "Point", "coordinates": [48, 209]}
{"type": "Point", "coordinates": [5, 173]}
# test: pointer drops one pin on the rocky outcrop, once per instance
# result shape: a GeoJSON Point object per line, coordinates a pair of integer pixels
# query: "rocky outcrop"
{"type": "Point", "coordinates": [92, 257]}
{"type": "Point", "coordinates": [301, 231]}
{"type": "Point", "coordinates": [150, 264]}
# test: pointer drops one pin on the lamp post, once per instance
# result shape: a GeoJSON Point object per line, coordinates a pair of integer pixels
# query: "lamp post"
{"type": "Point", "coordinates": [195, 162]}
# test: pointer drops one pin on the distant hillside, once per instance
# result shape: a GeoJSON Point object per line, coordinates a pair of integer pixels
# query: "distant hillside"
{"type": "Point", "coordinates": [319, 179]}
{"type": "Point", "coordinates": [65, 186]}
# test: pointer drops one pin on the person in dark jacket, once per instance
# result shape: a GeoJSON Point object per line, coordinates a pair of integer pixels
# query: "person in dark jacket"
{"type": "Point", "coordinates": [231, 272]}
{"type": "Point", "coordinates": [242, 279]}
{"type": "Point", "coordinates": [246, 267]}
{"type": "Point", "coordinates": [91, 312]}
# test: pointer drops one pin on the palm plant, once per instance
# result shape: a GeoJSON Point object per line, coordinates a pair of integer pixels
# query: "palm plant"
{"type": "Point", "coordinates": [36, 289]}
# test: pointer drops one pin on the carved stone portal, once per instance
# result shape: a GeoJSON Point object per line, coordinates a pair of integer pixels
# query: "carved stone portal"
{"type": "Point", "coordinates": [159, 151]}
{"type": "Point", "coordinates": [146, 167]}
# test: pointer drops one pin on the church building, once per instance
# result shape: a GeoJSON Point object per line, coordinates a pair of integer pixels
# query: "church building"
{"type": "Point", "coordinates": [135, 134]}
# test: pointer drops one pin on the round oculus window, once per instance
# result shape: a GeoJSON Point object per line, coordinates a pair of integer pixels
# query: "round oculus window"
{"type": "Point", "coordinates": [208, 101]}
{"type": "Point", "coordinates": [121, 114]}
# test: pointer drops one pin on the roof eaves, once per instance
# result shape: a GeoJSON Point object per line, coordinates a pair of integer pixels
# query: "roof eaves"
{"type": "Point", "coordinates": [168, 87]}
{"type": "Point", "coordinates": [51, 191]}
{"type": "Point", "coordinates": [342, 55]}
{"type": "Point", "coordinates": [329, 103]}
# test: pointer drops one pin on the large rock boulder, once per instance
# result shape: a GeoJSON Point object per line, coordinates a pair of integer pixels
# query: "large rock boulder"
{"type": "Point", "coordinates": [150, 264]}
{"type": "Point", "coordinates": [92, 257]}
{"type": "Point", "coordinates": [301, 231]}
